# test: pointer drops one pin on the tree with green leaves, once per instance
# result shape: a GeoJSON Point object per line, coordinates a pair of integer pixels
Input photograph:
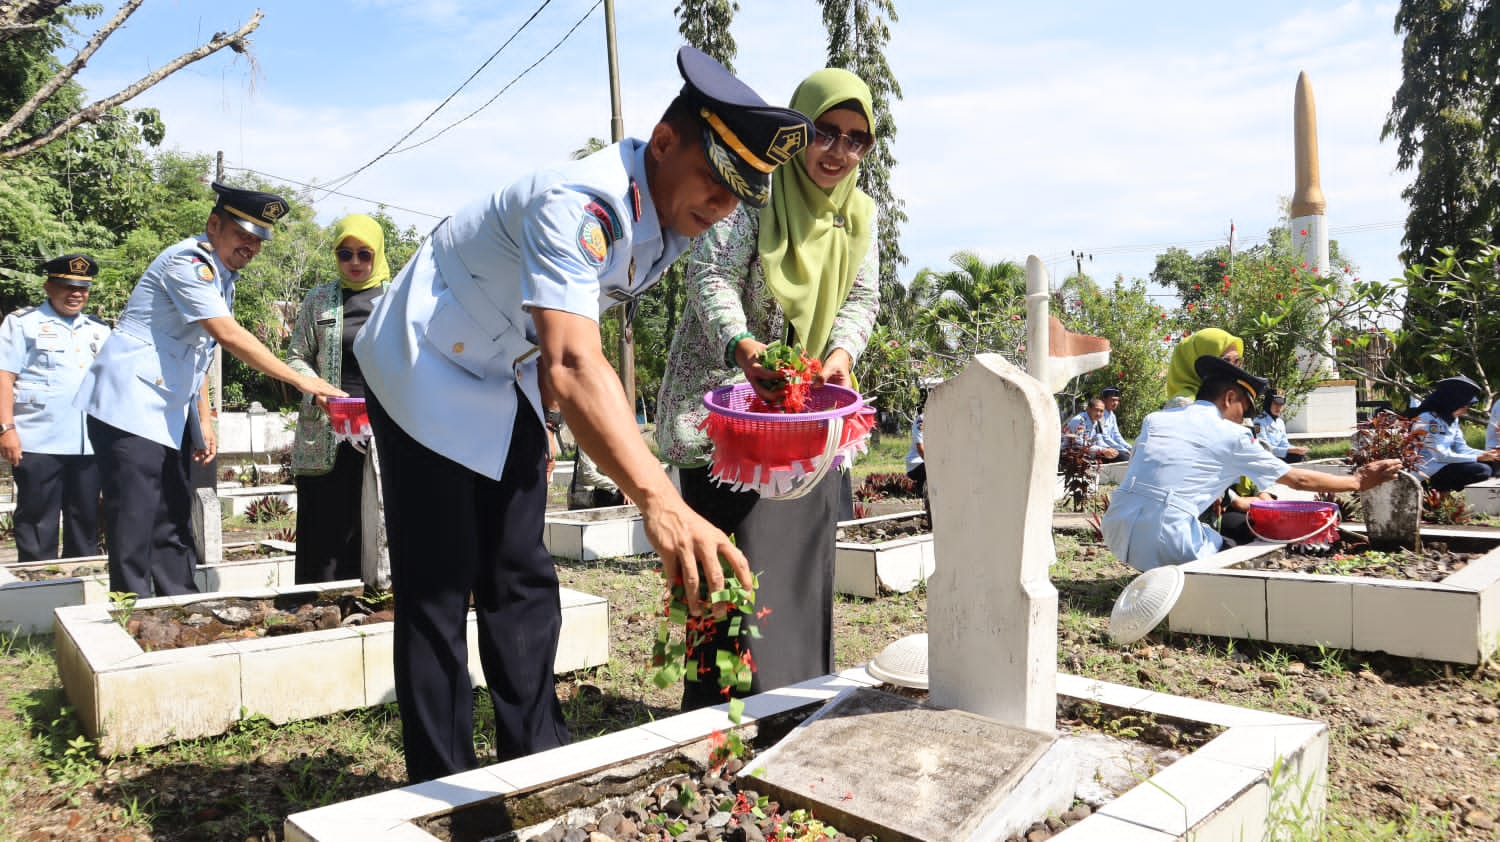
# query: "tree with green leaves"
{"type": "Point", "coordinates": [1441, 119]}
{"type": "Point", "coordinates": [705, 25]}
{"type": "Point", "coordinates": [1134, 325]}
{"type": "Point", "coordinates": [858, 32]}
{"type": "Point", "coordinates": [34, 28]}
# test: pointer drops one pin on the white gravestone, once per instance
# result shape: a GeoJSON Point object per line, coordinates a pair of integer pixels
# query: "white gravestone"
{"type": "Point", "coordinates": [992, 437]}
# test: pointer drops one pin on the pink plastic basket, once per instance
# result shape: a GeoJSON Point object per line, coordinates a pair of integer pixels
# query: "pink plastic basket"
{"type": "Point", "coordinates": [772, 452]}
{"type": "Point", "coordinates": [350, 419]}
{"type": "Point", "coordinates": [1294, 521]}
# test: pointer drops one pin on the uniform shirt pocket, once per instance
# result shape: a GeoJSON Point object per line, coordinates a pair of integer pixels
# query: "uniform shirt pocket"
{"type": "Point", "coordinates": [483, 351]}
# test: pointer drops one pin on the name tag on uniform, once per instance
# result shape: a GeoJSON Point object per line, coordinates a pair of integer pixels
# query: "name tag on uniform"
{"type": "Point", "coordinates": [51, 338]}
{"type": "Point", "coordinates": [325, 322]}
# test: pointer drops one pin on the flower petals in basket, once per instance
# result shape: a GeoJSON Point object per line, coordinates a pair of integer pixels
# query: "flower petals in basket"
{"type": "Point", "coordinates": [772, 453]}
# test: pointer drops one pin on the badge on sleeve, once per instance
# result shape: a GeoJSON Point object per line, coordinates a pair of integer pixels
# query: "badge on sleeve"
{"type": "Point", "coordinates": [592, 241]}
{"type": "Point", "coordinates": [205, 272]}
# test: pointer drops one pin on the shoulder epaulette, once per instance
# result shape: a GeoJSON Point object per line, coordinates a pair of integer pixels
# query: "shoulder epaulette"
{"type": "Point", "coordinates": [21, 311]}
{"type": "Point", "coordinates": [96, 320]}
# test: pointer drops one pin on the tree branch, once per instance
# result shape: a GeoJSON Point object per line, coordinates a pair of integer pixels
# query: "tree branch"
{"type": "Point", "coordinates": [93, 112]}
{"type": "Point", "coordinates": [62, 76]}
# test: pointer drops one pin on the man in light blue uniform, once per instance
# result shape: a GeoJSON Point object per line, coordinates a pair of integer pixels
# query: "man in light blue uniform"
{"type": "Point", "coordinates": [1186, 456]}
{"type": "Point", "coordinates": [1271, 429]}
{"type": "Point", "coordinates": [1109, 425]}
{"type": "Point", "coordinates": [44, 353]}
{"type": "Point", "coordinates": [491, 324]}
{"type": "Point", "coordinates": [146, 394]}
{"type": "Point", "coordinates": [1083, 430]}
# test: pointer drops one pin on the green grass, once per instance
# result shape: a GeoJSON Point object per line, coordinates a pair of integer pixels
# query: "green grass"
{"type": "Point", "coordinates": [888, 456]}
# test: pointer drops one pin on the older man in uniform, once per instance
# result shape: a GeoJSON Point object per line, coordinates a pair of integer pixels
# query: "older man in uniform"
{"type": "Point", "coordinates": [1186, 456]}
{"type": "Point", "coordinates": [494, 320]}
{"type": "Point", "coordinates": [146, 394]}
{"type": "Point", "coordinates": [44, 353]}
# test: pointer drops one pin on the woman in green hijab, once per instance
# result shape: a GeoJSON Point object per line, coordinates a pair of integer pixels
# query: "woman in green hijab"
{"type": "Point", "coordinates": [1182, 379]}
{"type": "Point", "coordinates": [330, 474]}
{"type": "Point", "coordinates": [802, 270]}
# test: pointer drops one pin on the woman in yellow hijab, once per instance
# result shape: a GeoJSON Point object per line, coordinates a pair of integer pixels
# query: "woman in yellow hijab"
{"type": "Point", "coordinates": [802, 270]}
{"type": "Point", "coordinates": [1182, 379]}
{"type": "Point", "coordinates": [331, 474]}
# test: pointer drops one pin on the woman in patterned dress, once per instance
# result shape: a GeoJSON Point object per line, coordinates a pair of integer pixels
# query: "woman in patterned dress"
{"type": "Point", "coordinates": [802, 270]}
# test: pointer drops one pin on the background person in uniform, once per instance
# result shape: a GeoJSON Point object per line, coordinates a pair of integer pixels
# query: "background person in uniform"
{"type": "Point", "coordinates": [330, 475]}
{"type": "Point", "coordinates": [1273, 430]}
{"type": "Point", "coordinates": [1085, 430]}
{"type": "Point", "coordinates": [146, 394]}
{"type": "Point", "coordinates": [456, 390]}
{"type": "Point", "coordinates": [803, 268]}
{"type": "Point", "coordinates": [1184, 459]}
{"type": "Point", "coordinates": [1109, 425]}
{"type": "Point", "coordinates": [44, 353]}
{"type": "Point", "coordinates": [1492, 429]}
{"type": "Point", "coordinates": [916, 453]}
{"type": "Point", "coordinates": [591, 488]}
{"type": "Point", "coordinates": [1448, 462]}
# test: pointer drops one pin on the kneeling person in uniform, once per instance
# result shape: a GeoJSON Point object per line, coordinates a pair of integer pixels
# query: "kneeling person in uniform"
{"type": "Point", "coordinates": [44, 353]}
{"type": "Point", "coordinates": [496, 318]}
{"type": "Point", "coordinates": [146, 394]}
{"type": "Point", "coordinates": [1185, 458]}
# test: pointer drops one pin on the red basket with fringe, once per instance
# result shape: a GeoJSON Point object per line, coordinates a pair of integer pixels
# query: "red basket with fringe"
{"type": "Point", "coordinates": [771, 452]}
{"type": "Point", "coordinates": [351, 421]}
{"type": "Point", "coordinates": [1294, 521]}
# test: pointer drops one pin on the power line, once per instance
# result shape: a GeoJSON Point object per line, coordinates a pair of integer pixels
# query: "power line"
{"type": "Point", "coordinates": [345, 179]}
{"type": "Point", "coordinates": [508, 85]}
{"type": "Point", "coordinates": [329, 192]}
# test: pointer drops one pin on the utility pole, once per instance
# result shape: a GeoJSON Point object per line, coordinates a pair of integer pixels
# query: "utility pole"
{"type": "Point", "coordinates": [1078, 258]}
{"type": "Point", "coordinates": [617, 134]}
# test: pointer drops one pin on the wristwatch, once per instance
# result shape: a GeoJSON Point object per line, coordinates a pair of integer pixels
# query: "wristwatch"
{"type": "Point", "coordinates": [5, 428]}
{"type": "Point", "coordinates": [553, 419]}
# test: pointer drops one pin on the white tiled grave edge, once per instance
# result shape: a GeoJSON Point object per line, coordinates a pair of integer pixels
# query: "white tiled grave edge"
{"type": "Point", "coordinates": [235, 500]}
{"type": "Point", "coordinates": [870, 570]}
{"type": "Point", "coordinates": [1263, 771]}
{"type": "Point", "coordinates": [26, 607]}
{"type": "Point", "coordinates": [1457, 619]}
{"type": "Point", "coordinates": [593, 534]}
{"type": "Point", "coordinates": [127, 698]}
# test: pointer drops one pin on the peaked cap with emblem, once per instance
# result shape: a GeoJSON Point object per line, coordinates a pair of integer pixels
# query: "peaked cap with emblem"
{"type": "Point", "coordinates": [744, 137]}
{"type": "Point", "coordinates": [1210, 367]}
{"type": "Point", "coordinates": [74, 270]}
{"type": "Point", "coordinates": [252, 210]}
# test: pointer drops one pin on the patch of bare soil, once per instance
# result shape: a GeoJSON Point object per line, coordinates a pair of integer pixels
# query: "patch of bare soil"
{"type": "Point", "coordinates": [885, 530]}
{"type": "Point", "coordinates": [237, 618]}
{"type": "Point", "coordinates": [1434, 562]}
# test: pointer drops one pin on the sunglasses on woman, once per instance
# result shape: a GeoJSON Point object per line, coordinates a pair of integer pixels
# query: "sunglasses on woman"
{"type": "Point", "coordinates": [346, 255]}
{"type": "Point", "coordinates": [826, 137]}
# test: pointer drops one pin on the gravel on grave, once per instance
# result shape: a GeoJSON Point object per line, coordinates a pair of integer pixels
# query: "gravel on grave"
{"type": "Point", "coordinates": [719, 806]}
{"type": "Point", "coordinates": [1433, 563]}
{"type": "Point", "coordinates": [885, 530]}
{"type": "Point", "coordinates": [239, 618]}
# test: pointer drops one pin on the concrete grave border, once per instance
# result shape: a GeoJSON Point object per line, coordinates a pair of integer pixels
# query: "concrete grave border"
{"type": "Point", "coordinates": [26, 607]}
{"type": "Point", "coordinates": [127, 698]}
{"type": "Point", "coordinates": [1457, 619]}
{"type": "Point", "coordinates": [1263, 769]}
{"type": "Point", "coordinates": [871, 570]}
{"type": "Point", "coordinates": [594, 534]}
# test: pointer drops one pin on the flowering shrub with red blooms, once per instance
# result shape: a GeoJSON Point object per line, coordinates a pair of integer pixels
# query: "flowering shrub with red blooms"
{"type": "Point", "coordinates": [797, 371]}
{"type": "Point", "coordinates": [671, 656]}
{"type": "Point", "coordinates": [1387, 436]}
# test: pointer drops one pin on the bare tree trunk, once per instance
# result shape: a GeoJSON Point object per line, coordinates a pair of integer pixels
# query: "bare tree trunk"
{"type": "Point", "coordinates": [93, 112]}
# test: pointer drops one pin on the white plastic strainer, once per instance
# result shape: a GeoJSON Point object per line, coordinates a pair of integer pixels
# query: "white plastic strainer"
{"type": "Point", "coordinates": [903, 663]}
{"type": "Point", "coordinates": [1145, 602]}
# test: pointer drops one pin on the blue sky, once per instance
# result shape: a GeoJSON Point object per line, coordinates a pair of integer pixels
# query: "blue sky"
{"type": "Point", "coordinates": [1109, 128]}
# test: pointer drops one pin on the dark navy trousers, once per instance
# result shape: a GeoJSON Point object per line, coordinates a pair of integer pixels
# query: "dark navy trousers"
{"type": "Point", "coordinates": [457, 536]}
{"type": "Point", "coordinates": [49, 485]}
{"type": "Point", "coordinates": [148, 512]}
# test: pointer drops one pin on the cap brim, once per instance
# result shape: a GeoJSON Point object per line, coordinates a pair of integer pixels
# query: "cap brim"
{"type": "Point", "coordinates": [261, 231]}
{"type": "Point", "coordinates": [70, 282]}
{"type": "Point", "coordinates": [752, 186]}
